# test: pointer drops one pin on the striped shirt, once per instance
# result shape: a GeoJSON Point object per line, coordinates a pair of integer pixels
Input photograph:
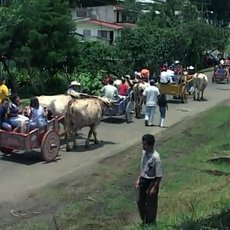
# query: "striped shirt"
{"type": "Point", "coordinates": [151, 165]}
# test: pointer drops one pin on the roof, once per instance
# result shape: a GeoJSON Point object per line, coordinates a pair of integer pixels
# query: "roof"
{"type": "Point", "coordinates": [118, 7]}
{"type": "Point", "coordinates": [106, 24]}
{"type": "Point", "coordinates": [115, 26]}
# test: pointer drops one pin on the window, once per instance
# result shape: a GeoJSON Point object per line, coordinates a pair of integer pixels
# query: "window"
{"type": "Point", "coordinates": [86, 33]}
{"type": "Point", "coordinates": [102, 33]}
{"type": "Point", "coordinates": [81, 14]}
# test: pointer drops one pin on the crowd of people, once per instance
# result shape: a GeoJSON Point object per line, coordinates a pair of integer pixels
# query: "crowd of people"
{"type": "Point", "coordinates": [12, 116]}
{"type": "Point", "coordinates": [151, 94]}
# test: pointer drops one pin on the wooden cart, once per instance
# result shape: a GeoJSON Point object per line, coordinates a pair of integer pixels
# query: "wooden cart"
{"type": "Point", "coordinates": [179, 90]}
{"type": "Point", "coordinates": [46, 138]}
{"type": "Point", "coordinates": [220, 75]}
{"type": "Point", "coordinates": [122, 107]}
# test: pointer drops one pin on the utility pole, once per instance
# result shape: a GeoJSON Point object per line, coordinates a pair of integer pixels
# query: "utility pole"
{"type": "Point", "coordinates": [204, 8]}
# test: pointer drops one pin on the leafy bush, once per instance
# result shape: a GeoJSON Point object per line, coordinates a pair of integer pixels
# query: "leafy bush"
{"type": "Point", "coordinates": [90, 83]}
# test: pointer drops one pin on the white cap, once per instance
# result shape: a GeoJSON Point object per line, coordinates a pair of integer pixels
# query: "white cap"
{"type": "Point", "coordinates": [75, 83]}
{"type": "Point", "coordinates": [191, 67]}
{"type": "Point", "coordinates": [177, 62]}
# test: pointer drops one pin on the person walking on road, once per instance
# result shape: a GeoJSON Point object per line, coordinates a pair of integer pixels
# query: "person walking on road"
{"type": "Point", "coordinates": [163, 106]}
{"type": "Point", "coordinates": [150, 98]}
{"type": "Point", "coordinates": [149, 180]}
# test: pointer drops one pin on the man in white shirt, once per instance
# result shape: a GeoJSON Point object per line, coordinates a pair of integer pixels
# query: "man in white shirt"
{"type": "Point", "coordinates": [165, 78]}
{"type": "Point", "coordinates": [170, 75]}
{"type": "Point", "coordinates": [110, 91]}
{"type": "Point", "coordinates": [150, 94]}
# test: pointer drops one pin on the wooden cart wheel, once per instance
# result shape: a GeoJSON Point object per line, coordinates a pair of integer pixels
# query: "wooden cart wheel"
{"type": "Point", "coordinates": [6, 150]}
{"type": "Point", "coordinates": [50, 145]}
{"type": "Point", "coordinates": [128, 112]}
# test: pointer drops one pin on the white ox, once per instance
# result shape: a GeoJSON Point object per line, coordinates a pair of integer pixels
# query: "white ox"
{"type": "Point", "coordinates": [85, 112]}
{"type": "Point", "coordinates": [56, 104]}
{"type": "Point", "coordinates": [200, 82]}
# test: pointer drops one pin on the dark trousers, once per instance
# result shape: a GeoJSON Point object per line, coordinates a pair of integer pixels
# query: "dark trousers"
{"type": "Point", "coordinates": [147, 204]}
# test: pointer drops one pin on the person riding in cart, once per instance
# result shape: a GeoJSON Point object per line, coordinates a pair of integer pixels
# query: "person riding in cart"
{"type": "Point", "coordinates": [4, 120]}
{"type": "Point", "coordinates": [177, 67]}
{"type": "Point", "coordinates": [74, 89]}
{"type": "Point", "coordinates": [220, 71]}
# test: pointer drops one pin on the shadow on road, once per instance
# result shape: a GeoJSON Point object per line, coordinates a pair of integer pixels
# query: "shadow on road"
{"type": "Point", "coordinates": [80, 139]}
{"type": "Point", "coordinates": [81, 146]}
{"type": "Point", "coordinates": [26, 158]}
{"type": "Point", "coordinates": [174, 101]}
{"type": "Point", "coordinates": [114, 120]}
{"type": "Point", "coordinates": [222, 89]}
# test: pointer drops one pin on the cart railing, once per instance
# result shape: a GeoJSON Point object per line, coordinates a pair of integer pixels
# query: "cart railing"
{"type": "Point", "coordinates": [30, 140]}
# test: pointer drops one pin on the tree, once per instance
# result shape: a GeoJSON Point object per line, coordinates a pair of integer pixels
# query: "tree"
{"type": "Point", "coordinates": [168, 36]}
{"type": "Point", "coordinates": [39, 34]}
{"type": "Point", "coordinates": [216, 10]}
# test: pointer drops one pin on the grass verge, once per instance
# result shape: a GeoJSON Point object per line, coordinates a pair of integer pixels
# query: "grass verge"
{"type": "Point", "coordinates": [194, 193]}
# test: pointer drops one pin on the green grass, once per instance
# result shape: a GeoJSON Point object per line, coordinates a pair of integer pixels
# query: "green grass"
{"type": "Point", "coordinates": [192, 196]}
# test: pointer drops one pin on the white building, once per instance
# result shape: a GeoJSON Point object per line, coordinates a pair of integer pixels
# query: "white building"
{"type": "Point", "coordinates": [102, 23]}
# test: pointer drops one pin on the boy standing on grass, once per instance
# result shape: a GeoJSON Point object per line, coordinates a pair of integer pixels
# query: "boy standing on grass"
{"type": "Point", "coordinates": [149, 180]}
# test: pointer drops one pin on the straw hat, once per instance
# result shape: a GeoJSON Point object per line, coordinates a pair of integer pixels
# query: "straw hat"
{"type": "Point", "coordinates": [222, 62]}
{"type": "Point", "coordinates": [191, 67]}
{"type": "Point", "coordinates": [74, 83]}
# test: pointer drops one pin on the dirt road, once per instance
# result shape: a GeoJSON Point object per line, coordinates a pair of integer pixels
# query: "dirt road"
{"type": "Point", "coordinates": [21, 174]}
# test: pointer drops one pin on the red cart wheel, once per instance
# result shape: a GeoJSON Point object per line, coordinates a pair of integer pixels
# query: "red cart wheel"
{"type": "Point", "coordinates": [6, 150]}
{"type": "Point", "coordinates": [50, 145]}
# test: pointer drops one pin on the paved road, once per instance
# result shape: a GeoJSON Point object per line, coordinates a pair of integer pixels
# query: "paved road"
{"type": "Point", "coordinates": [21, 174]}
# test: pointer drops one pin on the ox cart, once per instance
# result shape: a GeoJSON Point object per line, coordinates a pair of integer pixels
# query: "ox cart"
{"type": "Point", "coordinates": [179, 90]}
{"type": "Point", "coordinates": [220, 75]}
{"type": "Point", "coordinates": [124, 106]}
{"type": "Point", "coordinates": [46, 138]}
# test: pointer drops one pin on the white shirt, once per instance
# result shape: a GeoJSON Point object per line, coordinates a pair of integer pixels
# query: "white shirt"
{"type": "Point", "coordinates": [166, 76]}
{"type": "Point", "coordinates": [170, 74]}
{"type": "Point", "coordinates": [72, 92]}
{"type": "Point", "coordinates": [151, 165]}
{"type": "Point", "coordinates": [110, 91]}
{"type": "Point", "coordinates": [151, 93]}
{"type": "Point", "coordinates": [163, 77]}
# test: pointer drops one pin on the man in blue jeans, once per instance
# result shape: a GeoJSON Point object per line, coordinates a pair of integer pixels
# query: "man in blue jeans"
{"type": "Point", "coordinates": [150, 94]}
